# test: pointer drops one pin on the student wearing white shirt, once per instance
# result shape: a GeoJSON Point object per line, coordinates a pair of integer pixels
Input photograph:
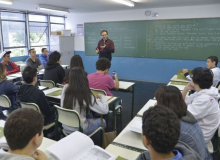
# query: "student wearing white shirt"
{"type": "Point", "coordinates": [211, 63]}
{"type": "Point", "coordinates": [203, 104]}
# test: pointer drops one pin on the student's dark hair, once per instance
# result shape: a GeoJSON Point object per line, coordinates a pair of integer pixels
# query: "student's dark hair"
{"type": "Point", "coordinates": [103, 64]}
{"type": "Point", "coordinates": [203, 77]}
{"type": "Point", "coordinates": [213, 59]}
{"type": "Point", "coordinates": [78, 91]}
{"type": "Point", "coordinates": [29, 51]}
{"type": "Point", "coordinates": [54, 57]}
{"type": "Point", "coordinates": [171, 97]}
{"type": "Point", "coordinates": [42, 50]}
{"type": "Point", "coordinates": [103, 31]}
{"type": "Point", "coordinates": [162, 127]}
{"type": "Point", "coordinates": [76, 61]}
{"type": "Point", "coordinates": [29, 73]}
{"type": "Point", "coordinates": [21, 126]}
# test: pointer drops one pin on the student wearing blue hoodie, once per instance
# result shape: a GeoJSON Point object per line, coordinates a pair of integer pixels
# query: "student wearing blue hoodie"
{"type": "Point", "coordinates": [160, 134]}
{"type": "Point", "coordinates": [44, 56]}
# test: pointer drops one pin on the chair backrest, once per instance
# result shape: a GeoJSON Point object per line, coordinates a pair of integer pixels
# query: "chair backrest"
{"type": "Point", "coordinates": [5, 101]}
{"type": "Point", "coordinates": [98, 91]}
{"type": "Point", "coordinates": [60, 85]}
{"type": "Point", "coordinates": [47, 83]}
{"type": "Point", "coordinates": [22, 67]}
{"type": "Point", "coordinates": [68, 117]}
{"type": "Point", "coordinates": [19, 62]}
{"type": "Point", "coordinates": [30, 105]}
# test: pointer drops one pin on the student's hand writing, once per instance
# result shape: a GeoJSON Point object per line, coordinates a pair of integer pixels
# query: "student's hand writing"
{"type": "Point", "coordinates": [189, 87]}
{"type": "Point", "coordinates": [97, 95]}
{"type": "Point", "coordinates": [185, 71]}
{"type": "Point", "coordinates": [39, 155]}
{"type": "Point", "coordinates": [97, 51]}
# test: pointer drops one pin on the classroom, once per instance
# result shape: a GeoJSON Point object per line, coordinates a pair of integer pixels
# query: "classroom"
{"type": "Point", "coordinates": [114, 79]}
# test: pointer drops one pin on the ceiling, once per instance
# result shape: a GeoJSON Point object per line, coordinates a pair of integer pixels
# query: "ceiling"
{"type": "Point", "coordinates": [88, 6]}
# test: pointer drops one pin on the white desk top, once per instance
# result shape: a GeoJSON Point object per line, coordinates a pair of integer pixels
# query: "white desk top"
{"type": "Point", "coordinates": [17, 75]}
{"type": "Point", "coordinates": [150, 103]}
{"type": "Point", "coordinates": [44, 145]}
{"type": "Point", "coordinates": [11, 77]}
{"type": "Point", "coordinates": [124, 153]}
{"type": "Point", "coordinates": [65, 66]}
{"type": "Point", "coordinates": [128, 137]}
{"type": "Point", "coordinates": [174, 78]}
{"type": "Point", "coordinates": [42, 87]}
{"type": "Point", "coordinates": [180, 87]}
{"type": "Point", "coordinates": [48, 91]}
{"type": "Point", "coordinates": [125, 85]}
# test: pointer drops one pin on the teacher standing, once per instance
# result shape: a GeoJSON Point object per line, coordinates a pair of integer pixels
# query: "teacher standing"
{"type": "Point", "coordinates": [105, 47]}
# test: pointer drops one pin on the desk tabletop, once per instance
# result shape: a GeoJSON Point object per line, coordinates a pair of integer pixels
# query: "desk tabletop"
{"type": "Point", "coordinates": [11, 77]}
{"type": "Point", "coordinates": [174, 78]}
{"type": "Point", "coordinates": [180, 87]}
{"type": "Point", "coordinates": [123, 152]}
{"type": "Point", "coordinates": [130, 138]}
{"type": "Point", "coordinates": [150, 103]}
{"type": "Point", "coordinates": [125, 85]}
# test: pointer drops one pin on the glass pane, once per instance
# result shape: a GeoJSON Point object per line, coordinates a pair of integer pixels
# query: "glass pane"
{"type": "Point", "coordinates": [17, 52]}
{"type": "Point", "coordinates": [37, 18]}
{"type": "Point", "coordinates": [38, 49]}
{"type": "Point", "coordinates": [56, 19]}
{"type": "Point", "coordinates": [57, 27]}
{"type": "Point", "coordinates": [38, 33]}
{"type": "Point", "coordinates": [12, 16]}
{"type": "Point", "coordinates": [13, 34]}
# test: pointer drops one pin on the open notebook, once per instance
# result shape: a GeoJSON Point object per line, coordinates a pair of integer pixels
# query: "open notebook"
{"type": "Point", "coordinates": [78, 146]}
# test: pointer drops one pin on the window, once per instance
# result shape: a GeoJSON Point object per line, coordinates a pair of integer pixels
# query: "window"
{"type": "Point", "coordinates": [39, 32]}
{"type": "Point", "coordinates": [14, 33]}
{"type": "Point", "coordinates": [57, 23]}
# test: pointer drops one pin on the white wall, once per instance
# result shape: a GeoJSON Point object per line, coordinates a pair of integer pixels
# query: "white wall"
{"type": "Point", "coordinates": [205, 11]}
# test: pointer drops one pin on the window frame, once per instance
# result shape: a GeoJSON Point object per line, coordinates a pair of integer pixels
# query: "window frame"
{"type": "Point", "coordinates": [26, 21]}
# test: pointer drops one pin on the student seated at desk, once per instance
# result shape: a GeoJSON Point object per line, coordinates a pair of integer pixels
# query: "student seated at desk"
{"type": "Point", "coordinates": [211, 63]}
{"type": "Point", "coordinates": [190, 131]}
{"type": "Point", "coordinates": [44, 56]}
{"type": "Point", "coordinates": [76, 61]}
{"type": "Point", "coordinates": [101, 79]}
{"type": "Point", "coordinates": [24, 134]}
{"type": "Point", "coordinates": [10, 67]}
{"type": "Point", "coordinates": [76, 95]}
{"type": "Point", "coordinates": [8, 88]}
{"type": "Point", "coordinates": [53, 70]}
{"type": "Point", "coordinates": [203, 104]}
{"type": "Point", "coordinates": [161, 131]}
{"type": "Point", "coordinates": [33, 61]}
{"type": "Point", "coordinates": [30, 93]}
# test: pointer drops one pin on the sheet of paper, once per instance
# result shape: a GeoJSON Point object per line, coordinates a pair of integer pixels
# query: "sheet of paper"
{"type": "Point", "coordinates": [136, 126]}
{"type": "Point", "coordinates": [96, 153]}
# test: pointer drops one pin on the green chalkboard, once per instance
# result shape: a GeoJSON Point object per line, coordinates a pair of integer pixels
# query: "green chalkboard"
{"type": "Point", "coordinates": [194, 39]}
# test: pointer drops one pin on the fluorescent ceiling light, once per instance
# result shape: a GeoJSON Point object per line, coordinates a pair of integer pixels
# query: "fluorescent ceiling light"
{"type": "Point", "coordinates": [9, 2]}
{"type": "Point", "coordinates": [53, 8]}
{"type": "Point", "coordinates": [125, 2]}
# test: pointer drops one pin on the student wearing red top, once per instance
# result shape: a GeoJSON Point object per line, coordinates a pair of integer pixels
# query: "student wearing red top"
{"type": "Point", "coordinates": [10, 67]}
{"type": "Point", "coordinates": [105, 47]}
{"type": "Point", "coordinates": [101, 79]}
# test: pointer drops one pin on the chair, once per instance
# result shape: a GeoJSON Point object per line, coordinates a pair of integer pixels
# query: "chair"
{"type": "Point", "coordinates": [6, 103]}
{"type": "Point", "coordinates": [60, 85]}
{"type": "Point", "coordinates": [36, 108]}
{"type": "Point", "coordinates": [47, 83]}
{"type": "Point", "coordinates": [99, 91]}
{"type": "Point", "coordinates": [70, 118]}
{"type": "Point", "coordinates": [22, 67]}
